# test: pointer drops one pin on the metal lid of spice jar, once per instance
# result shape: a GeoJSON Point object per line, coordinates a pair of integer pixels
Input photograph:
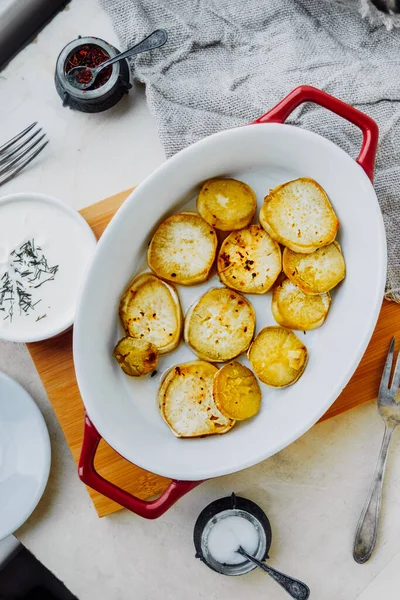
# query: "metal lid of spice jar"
{"type": "Point", "coordinates": [106, 91]}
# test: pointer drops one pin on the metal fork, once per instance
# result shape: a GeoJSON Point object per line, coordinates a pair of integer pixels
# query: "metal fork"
{"type": "Point", "coordinates": [389, 409]}
{"type": "Point", "coordinates": [20, 151]}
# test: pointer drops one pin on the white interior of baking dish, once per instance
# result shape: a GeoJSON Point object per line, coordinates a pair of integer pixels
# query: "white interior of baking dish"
{"type": "Point", "coordinates": [123, 409]}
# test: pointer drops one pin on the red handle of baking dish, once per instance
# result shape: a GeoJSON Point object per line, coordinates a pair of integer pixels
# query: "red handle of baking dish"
{"type": "Point", "coordinates": [307, 93]}
{"type": "Point", "coordinates": [147, 509]}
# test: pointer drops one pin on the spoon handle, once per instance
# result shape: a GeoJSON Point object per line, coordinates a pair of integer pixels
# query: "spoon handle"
{"type": "Point", "coordinates": [152, 41]}
{"type": "Point", "coordinates": [295, 588]}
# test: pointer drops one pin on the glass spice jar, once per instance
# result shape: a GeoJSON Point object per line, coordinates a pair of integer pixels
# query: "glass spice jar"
{"type": "Point", "coordinates": [228, 508]}
{"type": "Point", "coordinates": [109, 87]}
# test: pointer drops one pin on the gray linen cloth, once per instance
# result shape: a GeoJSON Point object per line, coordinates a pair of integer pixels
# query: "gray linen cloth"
{"type": "Point", "coordinates": [228, 61]}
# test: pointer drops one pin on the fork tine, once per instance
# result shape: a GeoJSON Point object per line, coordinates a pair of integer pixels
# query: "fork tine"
{"type": "Point", "coordinates": [396, 376]}
{"type": "Point", "coordinates": [384, 386]}
{"type": "Point", "coordinates": [23, 164]}
{"type": "Point", "coordinates": [5, 146]}
{"type": "Point", "coordinates": [21, 155]}
{"type": "Point", "coordinates": [13, 151]}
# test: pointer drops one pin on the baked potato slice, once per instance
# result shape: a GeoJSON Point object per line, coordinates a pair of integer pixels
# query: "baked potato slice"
{"type": "Point", "coordinates": [150, 310]}
{"type": "Point", "coordinates": [236, 391]}
{"type": "Point", "coordinates": [299, 215]}
{"type": "Point", "coordinates": [186, 401]}
{"type": "Point", "coordinates": [227, 204]}
{"type": "Point", "coordinates": [277, 356]}
{"type": "Point", "coordinates": [220, 326]}
{"type": "Point", "coordinates": [294, 309]}
{"type": "Point", "coordinates": [249, 260]}
{"type": "Point", "coordinates": [183, 249]}
{"type": "Point", "coordinates": [318, 272]}
{"type": "Point", "coordinates": [136, 357]}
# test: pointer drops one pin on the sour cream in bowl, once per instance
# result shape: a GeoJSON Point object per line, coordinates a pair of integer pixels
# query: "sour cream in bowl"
{"type": "Point", "coordinates": [45, 249]}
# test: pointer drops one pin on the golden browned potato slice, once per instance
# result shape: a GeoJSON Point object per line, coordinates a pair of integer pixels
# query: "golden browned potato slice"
{"type": "Point", "coordinates": [318, 272]}
{"type": "Point", "coordinates": [298, 214]}
{"type": "Point", "coordinates": [294, 309]}
{"type": "Point", "coordinates": [183, 249]}
{"type": "Point", "coordinates": [236, 391]}
{"type": "Point", "coordinates": [249, 260]}
{"type": "Point", "coordinates": [220, 326]}
{"type": "Point", "coordinates": [136, 357]}
{"type": "Point", "coordinates": [227, 204]}
{"type": "Point", "coordinates": [150, 310]}
{"type": "Point", "coordinates": [186, 401]}
{"type": "Point", "coordinates": [277, 356]}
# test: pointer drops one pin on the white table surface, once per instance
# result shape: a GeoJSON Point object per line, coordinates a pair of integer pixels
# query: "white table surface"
{"type": "Point", "coordinates": [312, 492]}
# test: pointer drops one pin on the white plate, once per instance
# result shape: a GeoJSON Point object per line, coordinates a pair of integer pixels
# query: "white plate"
{"type": "Point", "coordinates": [124, 410]}
{"type": "Point", "coordinates": [24, 455]}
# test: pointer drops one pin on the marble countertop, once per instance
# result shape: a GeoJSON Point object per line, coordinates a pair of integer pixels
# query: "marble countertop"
{"type": "Point", "coordinates": [312, 491]}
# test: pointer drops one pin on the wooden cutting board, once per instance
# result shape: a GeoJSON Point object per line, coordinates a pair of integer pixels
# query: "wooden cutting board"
{"type": "Point", "coordinates": [53, 360]}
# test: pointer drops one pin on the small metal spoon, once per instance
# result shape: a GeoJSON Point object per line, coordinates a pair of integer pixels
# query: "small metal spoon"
{"type": "Point", "coordinates": [295, 589]}
{"type": "Point", "coordinates": [152, 41]}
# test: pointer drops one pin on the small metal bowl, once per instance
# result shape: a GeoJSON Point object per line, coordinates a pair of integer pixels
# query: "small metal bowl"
{"type": "Point", "coordinates": [92, 100]}
{"type": "Point", "coordinates": [227, 507]}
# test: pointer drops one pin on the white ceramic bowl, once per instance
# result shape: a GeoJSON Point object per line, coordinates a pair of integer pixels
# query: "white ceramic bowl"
{"type": "Point", "coordinates": [125, 411]}
{"type": "Point", "coordinates": [47, 220]}
{"type": "Point", "coordinates": [24, 455]}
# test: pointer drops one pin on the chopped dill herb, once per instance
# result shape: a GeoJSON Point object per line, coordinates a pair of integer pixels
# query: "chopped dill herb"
{"type": "Point", "coordinates": [29, 270]}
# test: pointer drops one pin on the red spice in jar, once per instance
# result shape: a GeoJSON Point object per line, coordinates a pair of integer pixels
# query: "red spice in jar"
{"type": "Point", "coordinates": [92, 56]}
